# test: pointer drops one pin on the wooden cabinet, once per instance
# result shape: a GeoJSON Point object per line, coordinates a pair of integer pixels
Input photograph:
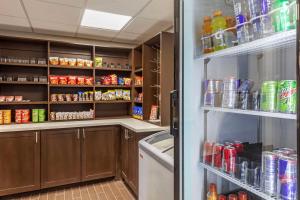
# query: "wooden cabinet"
{"type": "Point", "coordinates": [129, 159]}
{"type": "Point", "coordinates": [19, 162]}
{"type": "Point", "coordinates": [99, 152]}
{"type": "Point", "coordinates": [60, 157]}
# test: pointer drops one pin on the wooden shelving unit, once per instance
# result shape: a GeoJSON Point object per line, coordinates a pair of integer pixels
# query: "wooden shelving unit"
{"type": "Point", "coordinates": [39, 93]}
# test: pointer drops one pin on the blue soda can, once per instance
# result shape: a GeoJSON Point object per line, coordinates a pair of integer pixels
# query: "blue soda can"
{"type": "Point", "coordinates": [266, 21]}
{"type": "Point", "coordinates": [287, 178]}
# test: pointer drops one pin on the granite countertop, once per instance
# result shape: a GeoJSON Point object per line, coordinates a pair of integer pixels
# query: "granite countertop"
{"type": "Point", "coordinates": [130, 123]}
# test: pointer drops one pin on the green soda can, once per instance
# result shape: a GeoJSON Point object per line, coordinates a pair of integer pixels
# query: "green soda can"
{"type": "Point", "coordinates": [42, 115]}
{"type": "Point", "coordinates": [35, 115]}
{"type": "Point", "coordinates": [287, 96]}
{"type": "Point", "coordinates": [268, 101]}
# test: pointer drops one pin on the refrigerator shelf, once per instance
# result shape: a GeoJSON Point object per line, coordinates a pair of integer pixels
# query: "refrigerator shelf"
{"type": "Point", "coordinates": [282, 39]}
{"type": "Point", "coordinates": [237, 182]}
{"type": "Point", "coordinates": [252, 112]}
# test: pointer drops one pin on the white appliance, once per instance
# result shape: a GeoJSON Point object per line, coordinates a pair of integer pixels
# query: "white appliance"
{"type": "Point", "coordinates": [156, 167]}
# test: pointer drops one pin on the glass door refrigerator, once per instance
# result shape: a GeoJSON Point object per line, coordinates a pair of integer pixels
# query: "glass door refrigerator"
{"type": "Point", "coordinates": [235, 114]}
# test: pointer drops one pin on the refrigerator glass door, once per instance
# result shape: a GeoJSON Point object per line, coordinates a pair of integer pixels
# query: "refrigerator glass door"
{"type": "Point", "coordinates": [240, 73]}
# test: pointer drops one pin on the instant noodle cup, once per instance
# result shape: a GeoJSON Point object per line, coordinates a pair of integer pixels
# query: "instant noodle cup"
{"type": "Point", "coordinates": [72, 62]}
{"type": "Point", "coordinates": [63, 61]}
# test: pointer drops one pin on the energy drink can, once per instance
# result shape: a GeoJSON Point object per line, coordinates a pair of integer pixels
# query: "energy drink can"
{"type": "Point", "coordinates": [268, 101]}
{"type": "Point", "coordinates": [287, 178]}
{"type": "Point", "coordinates": [42, 115]}
{"type": "Point", "coordinates": [35, 115]}
{"type": "Point", "coordinates": [269, 172]}
{"type": "Point", "coordinates": [207, 152]}
{"type": "Point", "coordinates": [287, 96]}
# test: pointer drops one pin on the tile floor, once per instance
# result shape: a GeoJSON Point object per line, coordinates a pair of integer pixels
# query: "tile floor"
{"type": "Point", "coordinates": [109, 190]}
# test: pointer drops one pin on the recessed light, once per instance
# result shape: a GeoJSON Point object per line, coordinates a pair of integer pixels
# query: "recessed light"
{"type": "Point", "coordinates": [104, 20]}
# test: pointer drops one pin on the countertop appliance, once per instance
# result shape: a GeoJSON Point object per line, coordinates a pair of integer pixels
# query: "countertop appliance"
{"type": "Point", "coordinates": [156, 167]}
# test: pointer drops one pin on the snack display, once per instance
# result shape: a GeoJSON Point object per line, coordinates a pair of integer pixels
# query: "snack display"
{"type": "Point", "coordinates": [112, 95]}
{"type": "Point", "coordinates": [70, 80]}
{"type": "Point", "coordinates": [73, 62]}
{"type": "Point", "coordinates": [80, 96]}
{"type": "Point", "coordinates": [59, 116]}
{"type": "Point", "coordinates": [113, 79]}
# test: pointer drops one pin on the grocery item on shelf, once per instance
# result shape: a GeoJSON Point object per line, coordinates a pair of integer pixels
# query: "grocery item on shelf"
{"type": "Point", "coordinates": [230, 92]}
{"type": "Point", "coordinates": [154, 112]}
{"type": "Point", "coordinates": [137, 112]}
{"type": "Point", "coordinates": [213, 93]}
{"type": "Point", "coordinates": [54, 60]}
{"type": "Point", "coordinates": [113, 79]}
{"type": "Point", "coordinates": [98, 61]}
{"type": "Point", "coordinates": [266, 19]}
{"type": "Point", "coordinates": [255, 12]}
{"type": "Point", "coordinates": [64, 61]}
{"type": "Point", "coordinates": [268, 96]}
{"type": "Point", "coordinates": [230, 33]}
{"type": "Point", "coordinates": [59, 116]}
{"type": "Point", "coordinates": [138, 81]}
{"type": "Point", "coordinates": [80, 96]}
{"type": "Point", "coordinates": [72, 62]}
{"type": "Point", "coordinates": [70, 80]}
{"type": "Point", "coordinates": [287, 96]}
{"type": "Point", "coordinates": [281, 18]}
{"type": "Point", "coordinates": [80, 62]}
{"type": "Point", "coordinates": [40, 61]}
{"type": "Point", "coordinates": [88, 63]}
{"type": "Point", "coordinates": [111, 95]}
{"type": "Point", "coordinates": [139, 97]}
{"type": "Point", "coordinates": [218, 25]}
{"type": "Point", "coordinates": [241, 11]}
{"type": "Point", "coordinates": [212, 193]}
{"type": "Point", "coordinates": [6, 117]}
{"type": "Point", "coordinates": [207, 45]}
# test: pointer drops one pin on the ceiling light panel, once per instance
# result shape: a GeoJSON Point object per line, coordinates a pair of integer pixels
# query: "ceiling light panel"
{"type": "Point", "coordinates": [104, 20]}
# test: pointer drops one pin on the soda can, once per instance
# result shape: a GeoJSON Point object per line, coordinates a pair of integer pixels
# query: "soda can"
{"type": "Point", "coordinates": [287, 96]}
{"type": "Point", "coordinates": [222, 197]}
{"type": "Point", "coordinates": [207, 152]}
{"type": "Point", "coordinates": [287, 178]}
{"type": "Point", "coordinates": [269, 172]}
{"type": "Point", "coordinates": [25, 115]}
{"type": "Point", "coordinates": [232, 197]}
{"type": "Point", "coordinates": [256, 100]}
{"type": "Point", "coordinates": [18, 116]}
{"type": "Point", "coordinates": [229, 159]}
{"type": "Point", "coordinates": [228, 143]}
{"type": "Point", "coordinates": [212, 99]}
{"type": "Point", "coordinates": [217, 155]}
{"type": "Point", "coordinates": [281, 152]}
{"type": "Point", "coordinates": [35, 115]}
{"type": "Point", "coordinates": [230, 99]}
{"type": "Point", "coordinates": [231, 84]}
{"type": "Point", "coordinates": [268, 98]}
{"type": "Point", "coordinates": [239, 146]}
{"type": "Point", "coordinates": [287, 151]}
{"type": "Point", "coordinates": [242, 195]}
{"type": "Point", "coordinates": [245, 100]}
{"type": "Point", "coordinates": [266, 20]}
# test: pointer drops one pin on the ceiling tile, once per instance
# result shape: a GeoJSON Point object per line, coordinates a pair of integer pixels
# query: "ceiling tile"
{"type": "Point", "coordinates": [13, 21]}
{"type": "Point", "coordinates": [139, 25]}
{"type": "Point", "coordinates": [40, 10]}
{"type": "Point", "coordinates": [99, 34]}
{"type": "Point", "coordinates": [76, 3]}
{"type": "Point", "coordinates": [123, 7]}
{"type": "Point", "coordinates": [41, 26]}
{"type": "Point", "coordinates": [127, 36]}
{"type": "Point", "coordinates": [159, 10]}
{"type": "Point", "coordinates": [12, 8]}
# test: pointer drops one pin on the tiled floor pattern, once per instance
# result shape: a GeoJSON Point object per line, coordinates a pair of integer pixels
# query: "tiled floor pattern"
{"type": "Point", "coordinates": [111, 190]}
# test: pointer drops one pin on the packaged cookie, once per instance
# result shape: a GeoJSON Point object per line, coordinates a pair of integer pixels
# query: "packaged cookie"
{"type": "Point", "coordinates": [72, 61]}
{"type": "Point", "coordinates": [54, 60]}
{"type": "Point", "coordinates": [68, 97]}
{"type": "Point", "coordinates": [53, 97]}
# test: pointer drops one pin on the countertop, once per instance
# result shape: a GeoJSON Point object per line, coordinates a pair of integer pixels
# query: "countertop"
{"type": "Point", "coordinates": [130, 123]}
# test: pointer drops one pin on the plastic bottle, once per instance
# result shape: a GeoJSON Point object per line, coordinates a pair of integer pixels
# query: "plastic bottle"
{"type": "Point", "coordinates": [241, 13]}
{"type": "Point", "coordinates": [293, 14]}
{"type": "Point", "coordinates": [266, 20]}
{"type": "Point", "coordinates": [212, 194]}
{"type": "Point", "coordinates": [281, 18]}
{"type": "Point", "coordinates": [230, 35]}
{"type": "Point", "coordinates": [206, 32]}
{"type": "Point", "coordinates": [255, 10]}
{"type": "Point", "coordinates": [218, 25]}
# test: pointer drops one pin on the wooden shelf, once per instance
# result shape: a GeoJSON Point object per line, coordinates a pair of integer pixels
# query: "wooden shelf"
{"type": "Point", "coordinates": [112, 86]}
{"type": "Point", "coordinates": [22, 83]}
{"type": "Point", "coordinates": [25, 103]}
{"type": "Point", "coordinates": [116, 101]}
{"type": "Point", "coordinates": [112, 69]}
{"type": "Point", "coordinates": [70, 67]}
{"type": "Point", "coordinates": [24, 65]}
{"type": "Point", "coordinates": [73, 86]}
{"type": "Point", "coordinates": [138, 86]}
{"type": "Point", "coordinates": [138, 70]}
{"type": "Point", "coordinates": [140, 102]}
{"type": "Point", "coordinates": [71, 102]}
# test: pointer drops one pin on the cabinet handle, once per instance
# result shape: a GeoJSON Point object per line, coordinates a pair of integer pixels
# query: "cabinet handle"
{"type": "Point", "coordinates": [36, 137]}
{"type": "Point", "coordinates": [83, 133]}
{"type": "Point", "coordinates": [78, 134]}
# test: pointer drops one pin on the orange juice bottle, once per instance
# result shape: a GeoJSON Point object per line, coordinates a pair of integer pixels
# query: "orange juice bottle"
{"type": "Point", "coordinates": [206, 33]}
{"type": "Point", "coordinates": [212, 194]}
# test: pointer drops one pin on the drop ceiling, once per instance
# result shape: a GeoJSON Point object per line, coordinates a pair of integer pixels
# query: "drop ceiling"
{"type": "Point", "coordinates": [63, 17]}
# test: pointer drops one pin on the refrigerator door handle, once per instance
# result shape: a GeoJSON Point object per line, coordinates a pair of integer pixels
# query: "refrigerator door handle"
{"type": "Point", "coordinates": [173, 112]}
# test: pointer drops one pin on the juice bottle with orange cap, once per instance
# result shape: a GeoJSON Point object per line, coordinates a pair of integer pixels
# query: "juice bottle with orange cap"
{"type": "Point", "coordinates": [212, 194]}
{"type": "Point", "coordinates": [206, 35]}
{"type": "Point", "coordinates": [218, 27]}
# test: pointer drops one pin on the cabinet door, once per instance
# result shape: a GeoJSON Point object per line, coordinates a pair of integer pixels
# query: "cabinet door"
{"type": "Point", "coordinates": [124, 154]}
{"type": "Point", "coordinates": [60, 157]}
{"type": "Point", "coordinates": [19, 162]}
{"type": "Point", "coordinates": [99, 155]}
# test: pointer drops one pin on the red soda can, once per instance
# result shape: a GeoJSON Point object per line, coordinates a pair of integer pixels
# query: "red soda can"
{"type": "Point", "coordinates": [217, 155]}
{"type": "Point", "coordinates": [232, 197]}
{"type": "Point", "coordinates": [207, 152]}
{"type": "Point", "coordinates": [229, 159]}
{"type": "Point", "coordinates": [239, 146]}
{"type": "Point", "coordinates": [18, 116]}
{"type": "Point", "coordinates": [222, 197]}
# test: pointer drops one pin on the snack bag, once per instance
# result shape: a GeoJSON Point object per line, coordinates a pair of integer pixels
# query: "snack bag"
{"type": "Point", "coordinates": [53, 80]}
{"type": "Point", "coordinates": [126, 95]}
{"type": "Point", "coordinates": [98, 61]}
{"type": "Point", "coordinates": [112, 95]}
{"type": "Point", "coordinates": [63, 80]}
{"type": "Point", "coordinates": [80, 62]}
{"type": "Point", "coordinates": [54, 60]}
{"type": "Point", "coordinates": [114, 79]}
{"type": "Point", "coordinates": [127, 81]}
{"type": "Point", "coordinates": [121, 81]}
{"type": "Point", "coordinates": [72, 61]}
{"type": "Point", "coordinates": [80, 80]}
{"type": "Point", "coordinates": [89, 81]}
{"type": "Point", "coordinates": [72, 80]}
{"type": "Point", "coordinates": [119, 94]}
{"type": "Point", "coordinates": [88, 63]}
